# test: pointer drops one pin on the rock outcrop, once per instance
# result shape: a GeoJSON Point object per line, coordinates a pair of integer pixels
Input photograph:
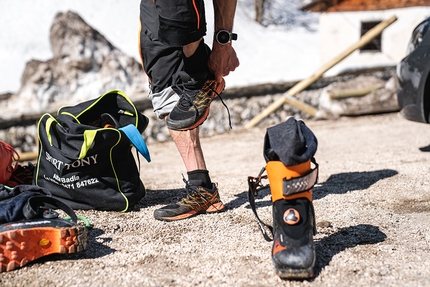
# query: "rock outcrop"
{"type": "Point", "coordinates": [84, 65]}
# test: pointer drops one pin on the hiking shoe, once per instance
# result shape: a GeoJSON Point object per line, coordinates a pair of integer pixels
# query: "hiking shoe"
{"type": "Point", "coordinates": [24, 241]}
{"type": "Point", "coordinates": [199, 200]}
{"type": "Point", "coordinates": [293, 251]}
{"type": "Point", "coordinates": [192, 108]}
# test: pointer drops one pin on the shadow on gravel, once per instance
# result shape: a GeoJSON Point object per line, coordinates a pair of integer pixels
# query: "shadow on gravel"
{"type": "Point", "coordinates": [336, 184]}
{"type": "Point", "coordinates": [349, 181]}
{"type": "Point", "coordinates": [96, 245]}
{"type": "Point", "coordinates": [164, 197]}
{"type": "Point", "coordinates": [242, 198]}
{"type": "Point", "coordinates": [95, 249]}
{"type": "Point", "coordinates": [344, 238]}
{"type": "Point", "coordinates": [425, 148]}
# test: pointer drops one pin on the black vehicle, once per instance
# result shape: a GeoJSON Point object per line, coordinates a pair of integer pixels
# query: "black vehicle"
{"type": "Point", "coordinates": [413, 75]}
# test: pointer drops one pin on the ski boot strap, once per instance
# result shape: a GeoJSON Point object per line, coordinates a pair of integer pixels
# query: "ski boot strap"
{"type": "Point", "coordinates": [291, 182]}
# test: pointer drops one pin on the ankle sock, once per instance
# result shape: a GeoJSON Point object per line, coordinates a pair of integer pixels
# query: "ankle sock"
{"type": "Point", "coordinates": [199, 177]}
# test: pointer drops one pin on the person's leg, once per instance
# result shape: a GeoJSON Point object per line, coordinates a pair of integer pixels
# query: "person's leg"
{"type": "Point", "coordinates": [162, 62]}
{"type": "Point", "coordinates": [188, 144]}
{"type": "Point", "coordinates": [196, 86]}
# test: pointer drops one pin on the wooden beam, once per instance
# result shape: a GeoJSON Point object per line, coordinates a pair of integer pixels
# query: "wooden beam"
{"type": "Point", "coordinates": [341, 94]}
{"type": "Point", "coordinates": [28, 156]}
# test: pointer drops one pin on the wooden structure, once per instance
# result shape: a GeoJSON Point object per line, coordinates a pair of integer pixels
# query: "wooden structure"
{"type": "Point", "coordinates": [361, 5]}
{"type": "Point", "coordinates": [343, 22]}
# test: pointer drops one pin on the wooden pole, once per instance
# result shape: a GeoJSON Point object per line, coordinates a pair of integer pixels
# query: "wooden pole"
{"type": "Point", "coordinates": [300, 86]}
{"type": "Point", "coordinates": [352, 93]}
{"type": "Point", "coordinates": [28, 156]}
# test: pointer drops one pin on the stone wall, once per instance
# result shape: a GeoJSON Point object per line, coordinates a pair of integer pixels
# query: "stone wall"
{"type": "Point", "coordinates": [244, 105]}
{"type": "Point", "coordinates": [241, 111]}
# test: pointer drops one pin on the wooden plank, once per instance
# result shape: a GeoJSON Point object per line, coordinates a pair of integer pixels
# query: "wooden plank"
{"type": "Point", "coordinates": [28, 156]}
{"type": "Point", "coordinates": [341, 94]}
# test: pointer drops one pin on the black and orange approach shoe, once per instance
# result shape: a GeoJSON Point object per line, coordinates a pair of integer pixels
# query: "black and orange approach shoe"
{"type": "Point", "coordinates": [199, 200]}
{"type": "Point", "coordinates": [193, 106]}
{"type": "Point", "coordinates": [25, 241]}
{"type": "Point", "coordinates": [289, 150]}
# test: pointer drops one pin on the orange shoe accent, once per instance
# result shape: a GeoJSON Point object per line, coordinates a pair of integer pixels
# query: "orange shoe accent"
{"type": "Point", "coordinates": [181, 216]}
{"type": "Point", "coordinates": [216, 207]}
{"type": "Point", "coordinates": [277, 171]}
{"type": "Point", "coordinates": [19, 247]}
{"type": "Point", "coordinates": [291, 216]}
{"type": "Point", "coordinates": [277, 247]}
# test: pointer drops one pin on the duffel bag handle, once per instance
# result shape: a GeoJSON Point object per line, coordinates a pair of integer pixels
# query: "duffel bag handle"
{"type": "Point", "coordinates": [130, 131]}
{"type": "Point", "coordinates": [48, 124]}
{"type": "Point", "coordinates": [137, 140]}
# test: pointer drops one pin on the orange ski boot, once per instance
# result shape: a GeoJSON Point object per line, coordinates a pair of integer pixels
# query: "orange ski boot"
{"type": "Point", "coordinates": [289, 150]}
{"type": "Point", "coordinates": [293, 251]}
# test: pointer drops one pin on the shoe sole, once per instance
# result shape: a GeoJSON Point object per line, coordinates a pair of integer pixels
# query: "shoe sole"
{"type": "Point", "coordinates": [21, 246]}
{"type": "Point", "coordinates": [294, 274]}
{"type": "Point", "coordinates": [214, 208]}
{"type": "Point", "coordinates": [203, 117]}
{"type": "Point", "coordinates": [199, 122]}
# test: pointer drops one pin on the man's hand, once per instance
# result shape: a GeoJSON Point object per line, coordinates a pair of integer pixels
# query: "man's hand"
{"type": "Point", "coordinates": [222, 60]}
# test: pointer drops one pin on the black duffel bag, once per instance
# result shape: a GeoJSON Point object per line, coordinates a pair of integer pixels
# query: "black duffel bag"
{"type": "Point", "coordinates": [85, 153]}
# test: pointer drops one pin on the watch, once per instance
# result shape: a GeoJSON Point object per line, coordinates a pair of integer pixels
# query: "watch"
{"type": "Point", "coordinates": [224, 37]}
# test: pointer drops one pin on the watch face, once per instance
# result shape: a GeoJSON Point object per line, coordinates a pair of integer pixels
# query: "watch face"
{"type": "Point", "coordinates": [223, 37]}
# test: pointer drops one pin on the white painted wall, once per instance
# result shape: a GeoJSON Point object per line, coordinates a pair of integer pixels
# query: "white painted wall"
{"type": "Point", "coordinates": [340, 30]}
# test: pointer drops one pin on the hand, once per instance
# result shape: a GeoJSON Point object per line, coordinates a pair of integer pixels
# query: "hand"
{"type": "Point", "coordinates": [222, 60]}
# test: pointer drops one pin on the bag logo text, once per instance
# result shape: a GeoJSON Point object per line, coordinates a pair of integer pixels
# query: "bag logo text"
{"type": "Point", "coordinates": [58, 164]}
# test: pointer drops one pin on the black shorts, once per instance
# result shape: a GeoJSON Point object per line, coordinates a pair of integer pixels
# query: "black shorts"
{"type": "Point", "coordinates": [173, 22]}
{"type": "Point", "coordinates": [166, 26]}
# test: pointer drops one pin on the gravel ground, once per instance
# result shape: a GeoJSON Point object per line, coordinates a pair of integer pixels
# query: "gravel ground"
{"type": "Point", "coordinates": [371, 203]}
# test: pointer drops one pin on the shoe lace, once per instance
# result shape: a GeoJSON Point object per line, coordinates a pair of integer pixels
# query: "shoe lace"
{"type": "Point", "coordinates": [181, 83]}
{"type": "Point", "coordinates": [193, 194]}
{"type": "Point", "coordinates": [225, 105]}
{"type": "Point", "coordinates": [186, 100]}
